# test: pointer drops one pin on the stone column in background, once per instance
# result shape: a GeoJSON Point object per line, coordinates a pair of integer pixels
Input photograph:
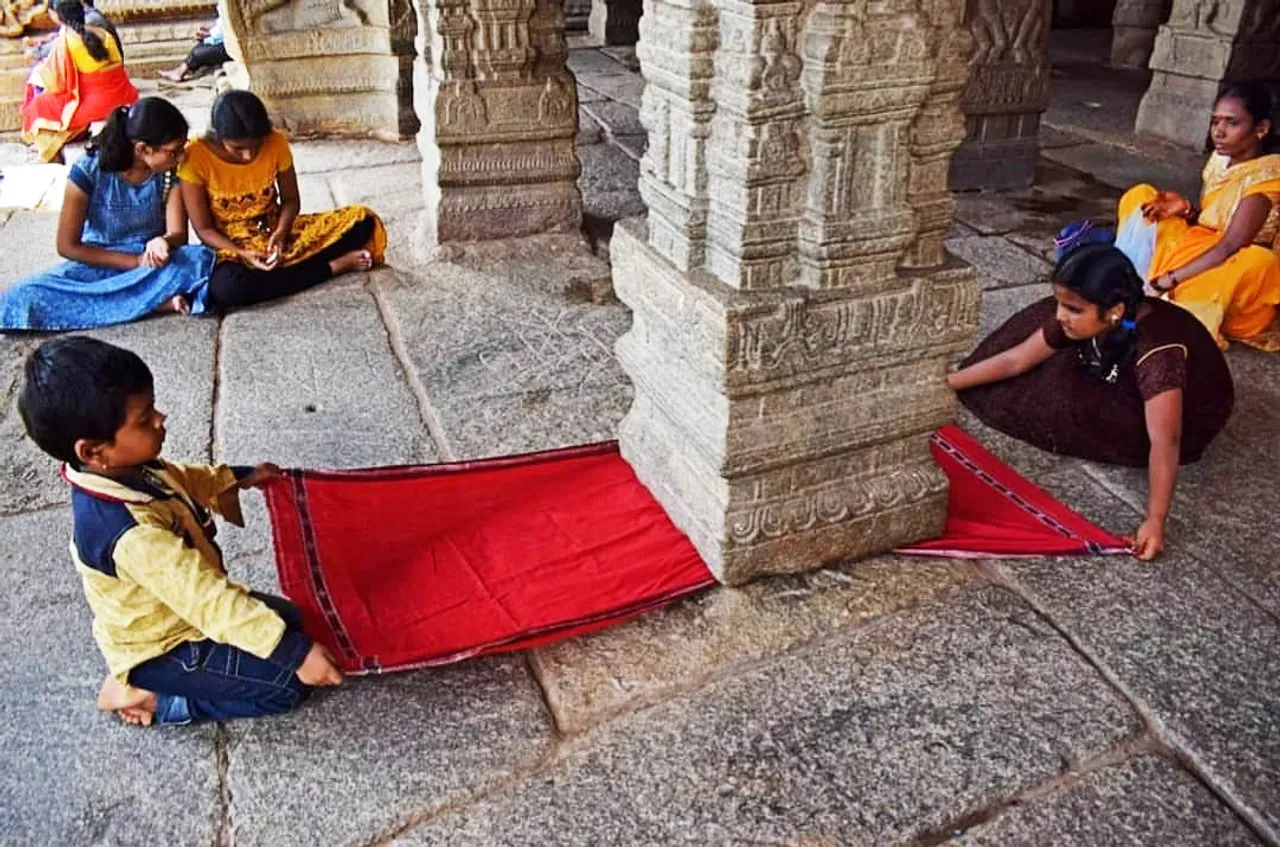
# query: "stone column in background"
{"type": "Point", "coordinates": [1205, 44]}
{"type": "Point", "coordinates": [404, 35]}
{"type": "Point", "coordinates": [1007, 90]}
{"type": "Point", "coordinates": [576, 15]}
{"type": "Point", "coordinates": [499, 114]}
{"type": "Point", "coordinates": [787, 372]}
{"type": "Point", "coordinates": [1133, 31]}
{"type": "Point", "coordinates": [615, 22]}
{"type": "Point", "coordinates": [321, 66]}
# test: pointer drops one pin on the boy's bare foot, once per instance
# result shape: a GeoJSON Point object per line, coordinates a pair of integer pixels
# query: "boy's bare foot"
{"type": "Point", "coordinates": [175, 305]}
{"type": "Point", "coordinates": [356, 260]}
{"type": "Point", "coordinates": [134, 705]}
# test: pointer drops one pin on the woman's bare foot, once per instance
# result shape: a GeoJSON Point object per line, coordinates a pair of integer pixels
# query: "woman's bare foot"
{"type": "Point", "coordinates": [134, 705]}
{"type": "Point", "coordinates": [176, 305]}
{"type": "Point", "coordinates": [356, 260]}
{"type": "Point", "coordinates": [177, 74]}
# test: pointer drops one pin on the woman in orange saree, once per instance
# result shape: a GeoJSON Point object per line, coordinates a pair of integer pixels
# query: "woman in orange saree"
{"type": "Point", "coordinates": [82, 80]}
{"type": "Point", "coordinates": [1219, 262]}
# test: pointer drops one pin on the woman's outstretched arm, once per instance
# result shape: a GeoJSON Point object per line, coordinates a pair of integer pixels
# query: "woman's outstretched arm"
{"type": "Point", "coordinates": [1164, 429]}
{"type": "Point", "coordinates": [75, 207]}
{"type": "Point", "coordinates": [1016, 360]}
{"type": "Point", "coordinates": [1245, 224]}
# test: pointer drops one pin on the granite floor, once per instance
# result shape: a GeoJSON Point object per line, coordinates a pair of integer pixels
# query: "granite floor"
{"type": "Point", "coordinates": [890, 701]}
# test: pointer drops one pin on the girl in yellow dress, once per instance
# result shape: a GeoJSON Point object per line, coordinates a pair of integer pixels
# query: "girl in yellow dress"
{"type": "Point", "coordinates": [241, 193]}
{"type": "Point", "coordinates": [1219, 262]}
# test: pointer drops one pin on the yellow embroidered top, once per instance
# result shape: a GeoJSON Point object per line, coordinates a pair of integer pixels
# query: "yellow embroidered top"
{"type": "Point", "coordinates": [1225, 186]}
{"type": "Point", "coordinates": [243, 198]}
{"type": "Point", "coordinates": [153, 575]}
{"type": "Point", "coordinates": [85, 63]}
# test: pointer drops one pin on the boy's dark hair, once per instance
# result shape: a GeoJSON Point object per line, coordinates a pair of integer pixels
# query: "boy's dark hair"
{"type": "Point", "coordinates": [239, 114]}
{"type": "Point", "coordinates": [151, 120]}
{"type": "Point", "coordinates": [77, 387]}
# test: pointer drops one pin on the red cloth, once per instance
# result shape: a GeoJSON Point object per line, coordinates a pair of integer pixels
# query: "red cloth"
{"type": "Point", "coordinates": [416, 566]}
{"type": "Point", "coordinates": [993, 512]}
{"type": "Point", "coordinates": [408, 567]}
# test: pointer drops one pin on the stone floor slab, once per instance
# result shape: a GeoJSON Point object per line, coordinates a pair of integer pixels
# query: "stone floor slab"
{"type": "Point", "coordinates": [1121, 169]}
{"type": "Point", "coordinates": [1000, 305]}
{"type": "Point", "coordinates": [180, 353]}
{"type": "Point", "coordinates": [625, 88]}
{"type": "Point", "coordinates": [361, 760]}
{"type": "Point", "coordinates": [392, 191]}
{"type": "Point", "coordinates": [999, 264]}
{"type": "Point", "coordinates": [507, 356]}
{"type": "Point", "coordinates": [72, 775]}
{"type": "Point", "coordinates": [620, 118]}
{"type": "Point", "coordinates": [593, 62]}
{"type": "Point", "coordinates": [29, 239]}
{"type": "Point", "coordinates": [872, 739]}
{"type": "Point", "coordinates": [312, 382]}
{"type": "Point", "coordinates": [590, 678]}
{"type": "Point", "coordinates": [1143, 801]}
{"type": "Point", "coordinates": [1061, 195]}
{"type": "Point", "coordinates": [1197, 652]}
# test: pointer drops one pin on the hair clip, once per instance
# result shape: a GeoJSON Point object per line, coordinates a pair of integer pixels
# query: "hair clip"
{"type": "Point", "coordinates": [1129, 324]}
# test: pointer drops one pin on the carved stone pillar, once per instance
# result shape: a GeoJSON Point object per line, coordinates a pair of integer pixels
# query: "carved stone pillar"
{"type": "Point", "coordinates": [1007, 91]}
{"type": "Point", "coordinates": [1205, 44]}
{"type": "Point", "coordinates": [320, 66]}
{"type": "Point", "coordinates": [615, 21]}
{"type": "Point", "coordinates": [1133, 31]}
{"type": "Point", "coordinates": [499, 114]}
{"type": "Point", "coordinates": [787, 372]}
{"type": "Point", "coordinates": [576, 15]}
{"type": "Point", "coordinates": [404, 34]}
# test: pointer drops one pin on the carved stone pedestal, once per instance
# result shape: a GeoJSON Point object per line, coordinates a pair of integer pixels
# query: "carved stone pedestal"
{"type": "Point", "coordinates": [499, 115]}
{"type": "Point", "coordinates": [1007, 91]}
{"type": "Point", "coordinates": [576, 15]}
{"type": "Point", "coordinates": [1133, 31]}
{"type": "Point", "coordinates": [1205, 44]}
{"type": "Point", "coordinates": [787, 372]}
{"type": "Point", "coordinates": [615, 22]}
{"type": "Point", "coordinates": [321, 66]}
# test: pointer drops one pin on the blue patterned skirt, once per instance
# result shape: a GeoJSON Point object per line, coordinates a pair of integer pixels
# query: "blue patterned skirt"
{"type": "Point", "coordinates": [73, 295]}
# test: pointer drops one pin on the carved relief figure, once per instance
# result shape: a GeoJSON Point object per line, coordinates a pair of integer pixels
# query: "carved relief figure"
{"type": "Point", "coordinates": [1016, 32]}
{"type": "Point", "coordinates": [16, 15]}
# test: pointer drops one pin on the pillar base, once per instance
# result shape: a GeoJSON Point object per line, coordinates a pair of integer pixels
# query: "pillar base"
{"type": "Point", "coordinates": [1177, 108]}
{"type": "Point", "coordinates": [1005, 164]}
{"type": "Point", "coordinates": [788, 429]}
{"type": "Point", "coordinates": [614, 22]}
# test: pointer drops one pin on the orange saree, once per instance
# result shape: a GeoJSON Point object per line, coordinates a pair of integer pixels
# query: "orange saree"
{"type": "Point", "coordinates": [70, 90]}
{"type": "Point", "coordinates": [1238, 299]}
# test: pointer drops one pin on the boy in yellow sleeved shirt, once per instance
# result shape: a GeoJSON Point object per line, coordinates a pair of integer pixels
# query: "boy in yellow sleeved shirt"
{"type": "Point", "coordinates": [182, 642]}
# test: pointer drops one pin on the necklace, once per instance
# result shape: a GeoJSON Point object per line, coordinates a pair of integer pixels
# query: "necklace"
{"type": "Point", "coordinates": [1111, 375]}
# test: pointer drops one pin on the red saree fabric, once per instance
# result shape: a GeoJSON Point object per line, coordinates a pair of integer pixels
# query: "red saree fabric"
{"type": "Point", "coordinates": [406, 567]}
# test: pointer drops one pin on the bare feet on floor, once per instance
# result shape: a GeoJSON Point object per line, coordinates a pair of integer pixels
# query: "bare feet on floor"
{"type": "Point", "coordinates": [356, 260]}
{"type": "Point", "coordinates": [176, 305]}
{"type": "Point", "coordinates": [134, 705]}
{"type": "Point", "coordinates": [177, 74]}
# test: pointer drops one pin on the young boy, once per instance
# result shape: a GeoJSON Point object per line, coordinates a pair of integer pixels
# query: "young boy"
{"type": "Point", "coordinates": [182, 642]}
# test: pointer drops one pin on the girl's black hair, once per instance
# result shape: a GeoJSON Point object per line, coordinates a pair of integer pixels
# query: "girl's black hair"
{"type": "Point", "coordinates": [152, 120]}
{"type": "Point", "coordinates": [1258, 102]}
{"type": "Point", "coordinates": [1104, 276]}
{"type": "Point", "coordinates": [239, 114]}
{"type": "Point", "coordinates": [71, 13]}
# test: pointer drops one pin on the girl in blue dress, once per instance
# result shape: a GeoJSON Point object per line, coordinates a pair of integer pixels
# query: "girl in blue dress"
{"type": "Point", "coordinates": [123, 230]}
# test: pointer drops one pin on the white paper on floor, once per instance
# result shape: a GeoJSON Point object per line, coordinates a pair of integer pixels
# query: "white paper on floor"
{"type": "Point", "coordinates": [37, 187]}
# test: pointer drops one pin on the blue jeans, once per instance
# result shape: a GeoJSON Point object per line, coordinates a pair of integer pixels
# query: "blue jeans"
{"type": "Point", "coordinates": [207, 680]}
